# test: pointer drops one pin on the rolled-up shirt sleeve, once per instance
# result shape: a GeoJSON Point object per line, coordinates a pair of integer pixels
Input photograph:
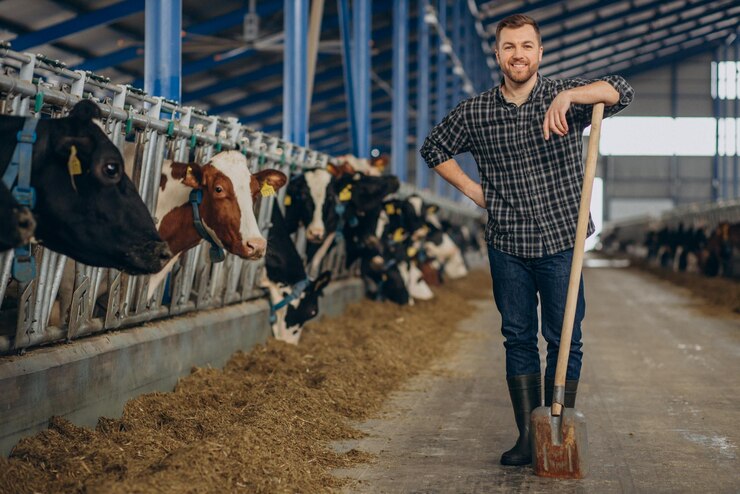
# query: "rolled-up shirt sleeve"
{"type": "Point", "coordinates": [583, 112]}
{"type": "Point", "coordinates": [626, 94]}
{"type": "Point", "coordinates": [447, 139]}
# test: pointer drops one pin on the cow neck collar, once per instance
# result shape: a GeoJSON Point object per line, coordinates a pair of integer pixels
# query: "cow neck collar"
{"type": "Point", "coordinates": [216, 251]}
{"type": "Point", "coordinates": [298, 289]}
{"type": "Point", "coordinates": [17, 178]}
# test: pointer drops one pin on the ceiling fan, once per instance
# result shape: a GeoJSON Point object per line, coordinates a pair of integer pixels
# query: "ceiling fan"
{"type": "Point", "coordinates": [229, 47]}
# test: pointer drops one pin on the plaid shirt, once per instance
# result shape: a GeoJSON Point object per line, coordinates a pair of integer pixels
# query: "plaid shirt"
{"type": "Point", "coordinates": [532, 186]}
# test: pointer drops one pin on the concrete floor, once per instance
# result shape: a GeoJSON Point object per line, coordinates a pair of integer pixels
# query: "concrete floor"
{"type": "Point", "coordinates": [660, 390]}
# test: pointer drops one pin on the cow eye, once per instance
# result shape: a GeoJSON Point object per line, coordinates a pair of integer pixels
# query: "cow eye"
{"type": "Point", "coordinates": [112, 170]}
{"type": "Point", "coordinates": [219, 189]}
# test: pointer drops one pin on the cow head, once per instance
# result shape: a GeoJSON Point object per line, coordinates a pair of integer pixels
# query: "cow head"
{"type": "Point", "coordinates": [365, 193]}
{"type": "Point", "coordinates": [16, 222]}
{"type": "Point", "coordinates": [230, 193]}
{"type": "Point", "coordinates": [311, 201]}
{"type": "Point", "coordinates": [383, 281]}
{"type": "Point", "coordinates": [94, 214]}
{"type": "Point", "coordinates": [308, 304]}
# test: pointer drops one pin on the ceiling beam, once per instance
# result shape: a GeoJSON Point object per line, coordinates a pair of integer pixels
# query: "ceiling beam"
{"type": "Point", "coordinates": [705, 43]}
{"type": "Point", "coordinates": [651, 35]}
{"type": "Point", "coordinates": [77, 24]}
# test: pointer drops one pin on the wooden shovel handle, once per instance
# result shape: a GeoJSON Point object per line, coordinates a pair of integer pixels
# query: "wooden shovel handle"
{"type": "Point", "coordinates": [566, 333]}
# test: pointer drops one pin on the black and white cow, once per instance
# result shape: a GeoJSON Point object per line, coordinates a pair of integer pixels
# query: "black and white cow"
{"type": "Point", "coordinates": [16, 222]}
{"type": "Point", "coordinates": [310, 201]}
{"type": "Point", "coordinates": [396, 227]}
{"type": "Point", "coordinates": [294, 298]}
{"type": "Point", "coordinates": [437, 244]}
{"type": "Point", "coordinates": [362, 199]}
{"type": "Point", "coordinates": [95, 216]}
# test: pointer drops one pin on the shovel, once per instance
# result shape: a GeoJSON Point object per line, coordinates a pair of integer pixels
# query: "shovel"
{"type": "Point", "coordinates": [559, 445]}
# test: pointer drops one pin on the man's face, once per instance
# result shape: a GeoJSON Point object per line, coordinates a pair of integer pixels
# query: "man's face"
{"type": "Point", "coordinates": [519, 53]}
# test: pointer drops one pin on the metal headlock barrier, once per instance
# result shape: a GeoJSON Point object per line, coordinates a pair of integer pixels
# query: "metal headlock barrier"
{"type": "Point", "coordinates": [697, 215]}
{"type": "Point", "coordinates": [67, 300]}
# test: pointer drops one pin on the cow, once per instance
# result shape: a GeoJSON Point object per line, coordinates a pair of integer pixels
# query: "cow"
{"type": "Point", "coordinates": [16, 222]}
{"type": "Point", "coordinates": [444, 254]}
{"type": "Point", "coordinates": [722, 250]}
{"type": "Point", "coordinates": [86, 207]}
{"type": "Point", "coordinates": [310, 201]}
{"type": "Point", "coordinates": [396, 227]}
{"type": "Point", "coordinates": [362, 198]}
{"type": "Point", "coordinates": [293, 296]}
{"type": "Point", "coordinates": [228, 193]}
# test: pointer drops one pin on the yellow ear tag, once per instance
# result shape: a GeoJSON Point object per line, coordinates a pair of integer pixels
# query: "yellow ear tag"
{"type": "Point", "coordinates": [390, 209]}
{"type": "Point", "coordinates": [288, 200]}
{"type": "Point", "coordinates": [346, 193]}
{"type": "Point", "coordinates": [411, 251]}
{"type": "Point", "coordinates": [73, 163]}
{"type": "Point", "coordinates": [267, 190]}
{"type": "Point", "coordinates": [398, 235]}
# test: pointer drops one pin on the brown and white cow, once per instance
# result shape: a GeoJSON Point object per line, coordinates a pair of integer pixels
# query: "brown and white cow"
{"type": "Point", "coordinates": [230, 192]}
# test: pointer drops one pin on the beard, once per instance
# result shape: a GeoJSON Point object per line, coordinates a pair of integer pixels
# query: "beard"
{"type": "Point", "coordinates": [519, 76]}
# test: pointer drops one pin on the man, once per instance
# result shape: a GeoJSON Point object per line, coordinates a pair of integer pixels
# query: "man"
{"type": "Point", "coordinates": [526, 136]}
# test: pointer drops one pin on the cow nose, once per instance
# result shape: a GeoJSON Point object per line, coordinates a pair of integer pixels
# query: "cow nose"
{"type": "Point", "coordinates": [162, 252]}
{"type": "Point", "coordinates": [256, 247]}
{"type": "Point", "coordinates": [315, 234]}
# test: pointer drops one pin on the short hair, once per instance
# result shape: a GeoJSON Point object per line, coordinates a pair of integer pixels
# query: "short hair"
{"type": "Point", "coordinates": [515, 21]}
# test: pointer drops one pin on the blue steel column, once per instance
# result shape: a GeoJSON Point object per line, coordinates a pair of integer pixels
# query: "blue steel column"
{"type": "Point", "coordinates": [163, 48]}
{"type": "Point", "coordinates": [723, 116]}
{"type": "Point", "coordinates": [399, 146]}
{"type": "Point", "coordinates": [715, 111]}
{"type": "Point", "coordinates": [674, 160]}
{"type": "Point", "coordinates": [441, 109]}
{"type": "Point", "coordinates": [735, 178]}
{"type": "Point", "coordinates": [362, 31]}
{"type": "Point", "coordinates": [422, 97]}
{"type": "Point", "coordinates": [347, 66]}
{"type": "Point", "coordinates": [456, 27]}
{"type": "Point", "coordinates": [295, 114]}
{"type": "Point", "coordinates": [458, 48]}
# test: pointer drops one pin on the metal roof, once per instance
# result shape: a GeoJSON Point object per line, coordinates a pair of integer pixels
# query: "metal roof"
{"type": "Point", "coordinates": [226, 75]}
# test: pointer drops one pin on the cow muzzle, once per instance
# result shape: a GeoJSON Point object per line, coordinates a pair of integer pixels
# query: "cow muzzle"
{"type": "Point", "coordinates": [255, 248]}
{"type": "Point", "coordinates": [149, 258]}
{"type": "Point", "coordinates": [314, 234]}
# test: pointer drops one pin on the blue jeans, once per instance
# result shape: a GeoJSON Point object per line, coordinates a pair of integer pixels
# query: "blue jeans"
{"type": "Point", "coordinates": [516, 281]}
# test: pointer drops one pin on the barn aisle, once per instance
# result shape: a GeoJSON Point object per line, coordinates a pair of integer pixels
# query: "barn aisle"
{"type": "Point", "coordinates": [660, 392]}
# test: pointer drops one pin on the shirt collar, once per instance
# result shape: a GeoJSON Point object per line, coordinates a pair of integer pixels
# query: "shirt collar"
{"type": "Point", "coordinates": [535, 90]}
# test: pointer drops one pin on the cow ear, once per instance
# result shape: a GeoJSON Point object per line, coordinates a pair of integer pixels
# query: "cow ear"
{"type": "Point", "coordinates": [83, 146]}
{"type": "Point", "coordinates": [333, 170]}
{"type": "Point", "coordinates": [322, 281]}
{"type": "Point", "coordinates": [85, 110]}
{"type": "Point", "coordinates": [192, 174]}
{"type": "Point", "coordinates": [269, 177]}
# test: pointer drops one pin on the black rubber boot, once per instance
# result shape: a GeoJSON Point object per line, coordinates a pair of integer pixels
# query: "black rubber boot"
{"type": "Point", "coordinates": [571, 388]}
{"type": "Point", "coordinates": [525, 392]}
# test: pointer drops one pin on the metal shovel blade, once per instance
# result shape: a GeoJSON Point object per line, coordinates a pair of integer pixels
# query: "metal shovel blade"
{"type": "Point", "coordinates": [559, 444]}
